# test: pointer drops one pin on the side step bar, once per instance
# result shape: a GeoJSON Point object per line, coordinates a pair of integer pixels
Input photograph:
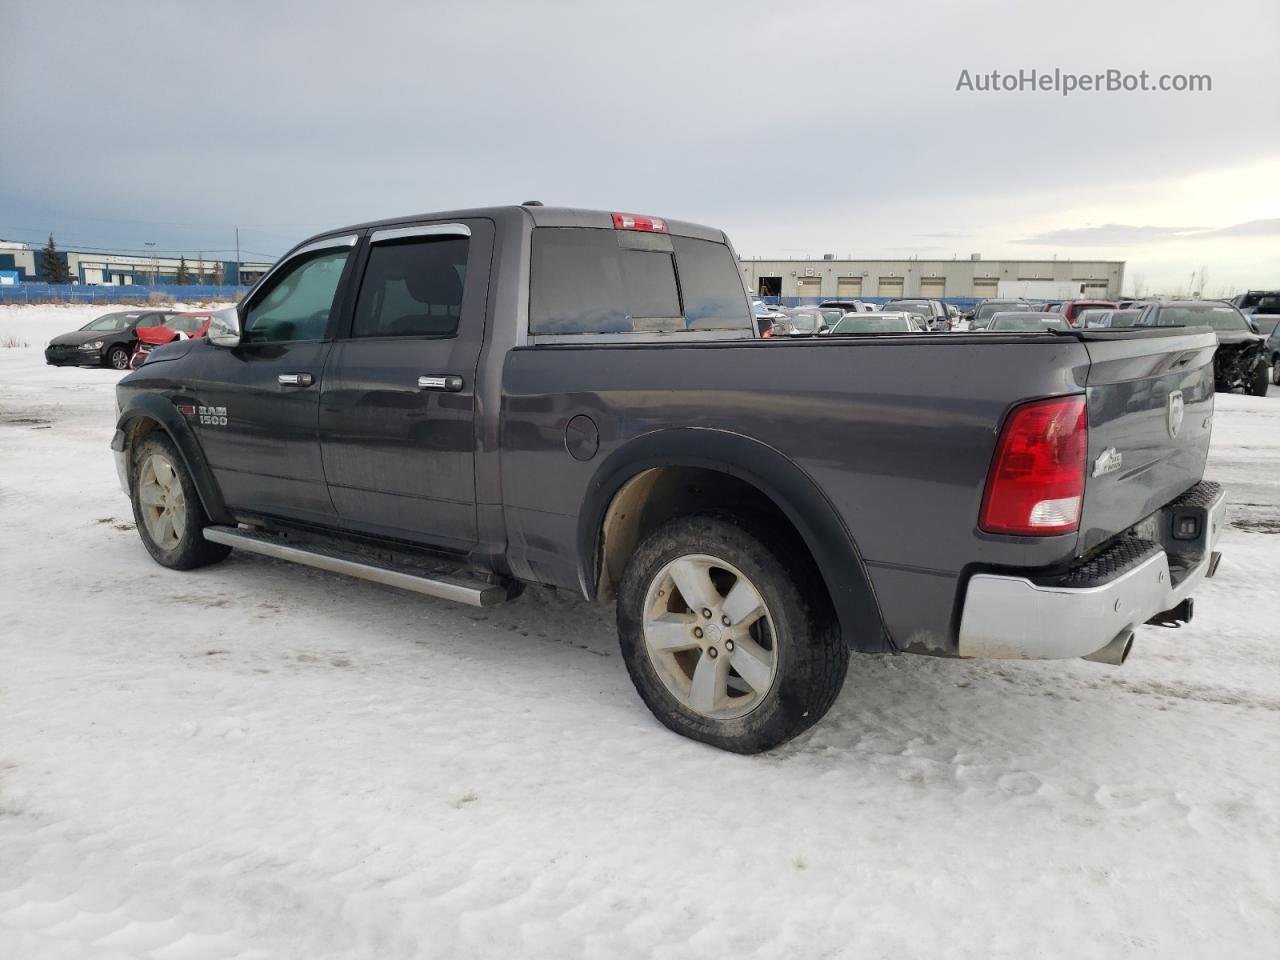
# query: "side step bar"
{"type": "Point", "coordinates": [473, 592]}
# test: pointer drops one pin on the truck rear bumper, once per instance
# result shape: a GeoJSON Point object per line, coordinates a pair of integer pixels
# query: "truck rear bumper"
{"type": "Point", "coordinates": [1092, 606]}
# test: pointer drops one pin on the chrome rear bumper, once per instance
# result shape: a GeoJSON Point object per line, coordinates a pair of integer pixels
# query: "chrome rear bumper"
{"type": "Point", "coordinates": [1015, 618]}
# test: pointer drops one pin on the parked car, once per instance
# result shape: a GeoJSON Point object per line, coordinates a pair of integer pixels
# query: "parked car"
{"type": "Point", "coordinates": [848, 306]}
{"type": "Point", "coordinates": [878, 323]}
{"type": "Point", "coordinates": [176, 326]}
{"type": "Point", "coordinates": [800, 322]}
{"type": "Point", "coordinates": [1241, 360]}
{"type": "Point", "coordinates": [932, 313]}
{"type": "Point", "coordinates": [831, 316]}
{"type": "Point", "coordinates": [1258, 303]}
{"type": "Point", "coordinates": [1097, 318]}
{"type": "Point", "coordinates": [1071, 309]}
{"type": "Point", "coordinates": [984, 311]}
{"type": "Point", "coordinates": [108, 340]}
{"type": "Point", "coordinates": [1269, 327]}
{"type": "Point", "coordinates": [593, 411]}
{"type": "Point", "coordinates": [1025, 321]}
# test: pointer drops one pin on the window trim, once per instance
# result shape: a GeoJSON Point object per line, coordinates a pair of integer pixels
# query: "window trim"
{"type": "Point", "coordinates": [457, 230]}
{"type": "Point", "coordinates": [431, 230]}
{"type": "Point", "coordinates": [255, 297]}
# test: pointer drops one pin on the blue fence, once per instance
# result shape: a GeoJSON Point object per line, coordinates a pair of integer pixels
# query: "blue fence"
{"type": "Point", "coordinates": [80, 293]}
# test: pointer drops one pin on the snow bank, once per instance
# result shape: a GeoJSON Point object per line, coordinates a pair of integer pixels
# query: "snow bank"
{"type": "Point", "coordinates": [258, 760]}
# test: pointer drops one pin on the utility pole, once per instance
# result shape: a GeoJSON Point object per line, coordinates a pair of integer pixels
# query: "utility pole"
{"type": "Point", "coordinates": [237, 256]}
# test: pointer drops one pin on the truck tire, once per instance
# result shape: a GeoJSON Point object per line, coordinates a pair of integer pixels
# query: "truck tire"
{"type": "Point", "coordinates": [167, 509]}
{"type": "Point", "coordinates": [1258, 382]}
{"type": "Point", "coordinates": [725, 642]}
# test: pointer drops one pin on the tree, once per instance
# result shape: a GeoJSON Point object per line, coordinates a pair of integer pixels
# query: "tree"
{"type": "Point", "coordinates": [219, 274]}
{"type": "Point", "coordinates": [52, 266]}
{"type": "Point", "coordinates": [184, 275]}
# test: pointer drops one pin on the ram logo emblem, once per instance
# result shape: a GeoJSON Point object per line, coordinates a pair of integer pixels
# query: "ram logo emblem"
{"type": "Point", "coordinates": [1108, 461]}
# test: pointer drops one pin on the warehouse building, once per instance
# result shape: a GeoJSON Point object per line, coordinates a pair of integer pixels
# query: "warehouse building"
{"type": "Point", "coordinates": [973, 278]}
{"type": "Point", "coordinates": [21, 262]}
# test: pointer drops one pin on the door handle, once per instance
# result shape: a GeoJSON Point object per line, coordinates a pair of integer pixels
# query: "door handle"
{"type": "Point", "coordinates": [451, 384]}
{"type": "Point", "coordinates": [295, 379]}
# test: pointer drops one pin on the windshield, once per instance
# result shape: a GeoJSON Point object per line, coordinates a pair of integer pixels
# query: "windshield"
{"type": "Point", "coordinates": [869, 324]}
{"type": "Point", "coordinates": [112, 321]}
{"type": "Point", "coordinates": [1216, 315]}
{"type": "Point", "coordinates": [986, 310]}
{"type": "Point", "coordinates": [1015, 323]}
{"type": "Point", "coordinates": [186, 324]}
{"type": "Point", "coordinates": [805, 321]}
{"type": "Point", "coordinates": [917, 307]}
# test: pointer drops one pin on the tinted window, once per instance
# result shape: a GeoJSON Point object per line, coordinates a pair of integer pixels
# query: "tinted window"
{"type": "Point", "coordinates": [185, 324]}
{"type": "Point", "coordinates": [297, 305]}
{"type": "Point", "coordinates": [1200, 315]}
{"type": "Point", "coordinates": [112, 321]}
{"type": "Point", "coordinates": [714, 297]}
{"type": "Point", "coordinates": [412, 288]}
{"type": "Point", "coordinates": [614, 281]}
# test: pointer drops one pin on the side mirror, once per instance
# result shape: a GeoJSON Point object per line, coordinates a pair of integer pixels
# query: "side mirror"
{"type": "Point", "coordinates": [224, 327]}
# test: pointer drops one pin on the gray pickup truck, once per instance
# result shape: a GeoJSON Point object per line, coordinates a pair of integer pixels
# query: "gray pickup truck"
{"type": "Point", "coordinates": [458, 403]}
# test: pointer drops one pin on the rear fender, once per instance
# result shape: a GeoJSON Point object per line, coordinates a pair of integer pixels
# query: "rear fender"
{"type": "Point", "coordinates": [791, 489]}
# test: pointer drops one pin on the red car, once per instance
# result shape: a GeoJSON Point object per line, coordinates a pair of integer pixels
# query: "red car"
{"type": "Point", "coordinates": [1071, 309]}
{"type": "Point", "coordinates": [176, 327]}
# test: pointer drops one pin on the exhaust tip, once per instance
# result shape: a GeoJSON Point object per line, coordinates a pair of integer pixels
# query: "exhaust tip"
{"type": "Point", "coordinates": [1116, 652]}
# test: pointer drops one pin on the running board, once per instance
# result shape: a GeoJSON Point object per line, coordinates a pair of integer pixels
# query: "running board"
{"type": "Point", "coordinates": [335, 560]}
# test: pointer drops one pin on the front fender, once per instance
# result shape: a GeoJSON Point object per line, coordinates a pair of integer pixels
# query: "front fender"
{"type": "Point", "coordinates": [781, 480]}
{"type": "Point", "coordinates": [152, 406]}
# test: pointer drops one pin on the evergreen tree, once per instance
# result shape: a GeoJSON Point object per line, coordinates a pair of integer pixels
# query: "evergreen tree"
{"type": "Point", "coordinates": [51, 266]}
{"type": "Point", "coordinates": [184, 276]}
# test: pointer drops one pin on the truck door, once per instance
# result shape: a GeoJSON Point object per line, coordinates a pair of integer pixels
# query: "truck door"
{"type": "Point", "coordinates": [258, 403]}
{"type": "Point", "coordinates": [398, 406]}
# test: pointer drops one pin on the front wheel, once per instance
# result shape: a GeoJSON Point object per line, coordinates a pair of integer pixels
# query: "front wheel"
{"type": "Point", "coordinates": [166, 507]}
{"type": "Point", "coordinates": [725, 642]}
{"type": "Point", "coordinates": [1258, 382]}
{"type": "Point", "coordinates": [118, 358]}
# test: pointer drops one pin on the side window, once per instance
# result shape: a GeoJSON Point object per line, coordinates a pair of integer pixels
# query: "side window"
{"type": "Point", "coordinates": [413, 288]}
{"type": "Point", "coordinates": [297, 305]}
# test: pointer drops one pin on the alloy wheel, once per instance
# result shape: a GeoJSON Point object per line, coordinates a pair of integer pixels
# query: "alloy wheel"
{"type": "Point", "coordinates": [709, 637]}
{"type": "Point", "coordinates": [164, 502]}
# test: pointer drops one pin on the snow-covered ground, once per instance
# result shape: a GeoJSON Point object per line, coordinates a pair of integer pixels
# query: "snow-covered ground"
{"type": "Point", "coordinates": [259, 760]}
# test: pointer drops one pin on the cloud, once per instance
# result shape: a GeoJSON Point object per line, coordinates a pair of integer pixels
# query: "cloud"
{"type": "Point", "coordinates": [1109, 235]}
{"type": "Point", "coordinates": [1124, 234]}
{"type": "Point", "coordinates": [1253, 228]}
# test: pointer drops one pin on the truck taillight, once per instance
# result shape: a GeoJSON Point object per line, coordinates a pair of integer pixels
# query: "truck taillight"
{"type": "Point", "coordinates": [1036, 483]}
{"type": "Point", "coordinates": [632, 221]}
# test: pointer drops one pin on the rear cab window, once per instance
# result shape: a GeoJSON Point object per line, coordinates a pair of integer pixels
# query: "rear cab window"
{"type": "Point", "coordinates": [587, 281]}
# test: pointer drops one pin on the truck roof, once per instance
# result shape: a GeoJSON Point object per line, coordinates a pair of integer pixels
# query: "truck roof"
{"type": "Point", "coordinates": [542, 216]}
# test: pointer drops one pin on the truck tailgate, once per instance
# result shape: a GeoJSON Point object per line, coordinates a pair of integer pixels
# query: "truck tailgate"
{"type": "Point", "coordinates": [1150, 401]}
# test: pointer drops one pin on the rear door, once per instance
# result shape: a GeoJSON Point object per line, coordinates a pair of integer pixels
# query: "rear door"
{"type": "Point", "coordinates": [398, 407]}
{"type": "Point", "coordinates": [258, 403]}
{"type": "Point", "coordinates": [1150, 402]}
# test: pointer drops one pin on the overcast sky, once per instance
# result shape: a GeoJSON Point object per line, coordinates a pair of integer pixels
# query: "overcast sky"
{"type": "Point", "coordinates": [800, 128]}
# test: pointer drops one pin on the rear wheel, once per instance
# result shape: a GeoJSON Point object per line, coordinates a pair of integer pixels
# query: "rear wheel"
{"type": "Point", "coordinates": [166, 507]}
{"type": "Point", "coordinates": [118, 358]}
{"type": "Point", "coordinates": [725, 643]}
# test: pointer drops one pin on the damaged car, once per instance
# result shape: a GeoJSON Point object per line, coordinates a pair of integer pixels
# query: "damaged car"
{"type": "Point", "coordinates": [1241, 361]}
